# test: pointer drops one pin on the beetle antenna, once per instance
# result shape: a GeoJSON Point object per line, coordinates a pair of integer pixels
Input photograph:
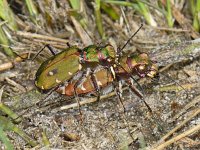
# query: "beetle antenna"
{"type": "Point", "coordinates": [128, 41]}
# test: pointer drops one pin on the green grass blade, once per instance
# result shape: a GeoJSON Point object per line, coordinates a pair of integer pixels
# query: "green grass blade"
{"type": "Point", "coordinates": [7, 15]}
{"type": "Point", "coordinates": [6, 124]}
{"type": "Point", "coordinates": [195, 9]}
{"type": "Point", "coordinates": [121, 3]}
{"type": "Point", "coordinates": [110, 11]}
{"type": "Point", "coordinates": [45, 139]}
{"type": "Point", "coordinates": [10, 113]}
{"type": "Point", "coordinates": [75, 4]}
{"type": "Point", "coordinates": [5, 43]}
{"type": "Point", "coordinates": [139, 6]}
{"type": "Point", "coordinates": [32, 10]}
{"type": "Point", "coordinates": [145, 12]}
{"type": "Point", "coordinates": [169, 14]}
{"type": "Point", "coordinates": [5, 139]}
{"type": "Point", "coordinates": [21, 133]}
{"type": "Point", "coordinates": [97, 6]}
{"type": "Point", "coordinates": [197, 12]}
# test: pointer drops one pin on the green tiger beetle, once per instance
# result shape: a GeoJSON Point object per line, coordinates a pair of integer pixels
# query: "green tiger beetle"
{"type": "Point", "coordinates": [64, 66]}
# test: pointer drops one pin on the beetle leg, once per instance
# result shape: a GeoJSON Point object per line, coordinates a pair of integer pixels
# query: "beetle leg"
{"type": "Point", "coordinates": [68, 45]}
{"type": "Point", "coordinates": [94, 81]}
{"type": "Point", "coordinates": [45, 99]}
{"type": "Point", "coordinates": [129, 74]}
{"type": "Point", "coordinates": [83, 76]}
{"type": "Point", "coordinates": [51, 49]}
{"type": "Point", "coordinates": [117, 85]}
{"type": "Point", "coordinates": [95, 84]}
{"type": "Point", "coordinates": [118, 90]}
{"type": "Point", "coordinates": [137, 92]}
{"type": "Point", "coordinates": [134, 89]}
{"type": "Point", "coordinates": [81, 79]}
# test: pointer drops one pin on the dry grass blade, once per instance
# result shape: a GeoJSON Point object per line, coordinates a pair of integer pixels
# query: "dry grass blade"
{"type": "Point", "coordinates": [41, 37]}
{"type": "Point", "coordinates": [178, 137]}
{"type": "Point", "coordinates": [13, 83]}
{"type": "Point", "coordinates": [9, 65]}
{"type": "Point", "coordinates": [84, 36]}
{"type": "Point", "coordinates": [177, 88]}
{"type": "Point", "coordinates": [193, 114]}
{"type": "Point", "coordinates": [195, 101]}
{"type": "Point", "coordinates": [1, 92]}
{"type": "Point", "coordinates": [180, 18]}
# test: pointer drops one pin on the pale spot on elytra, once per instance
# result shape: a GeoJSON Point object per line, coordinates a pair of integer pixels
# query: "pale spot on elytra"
{"type": "Point", "coordinates": [58, 81]}
{"type": "Point", "coordinates": [80, 67]}
{"type": "Point", "coordinates": [70, 73]}
{"type": "Point", "coordinates": [51, 73]}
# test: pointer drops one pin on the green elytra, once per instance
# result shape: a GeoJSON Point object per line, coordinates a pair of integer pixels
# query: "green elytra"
{"type": "Point", "coordinates": [57, 69]}
{"type": "Point", "coordinates": [64, 65]}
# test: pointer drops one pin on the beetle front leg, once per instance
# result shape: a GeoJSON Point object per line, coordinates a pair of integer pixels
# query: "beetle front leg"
{"type": "Point", "coordinates": [137, 92]}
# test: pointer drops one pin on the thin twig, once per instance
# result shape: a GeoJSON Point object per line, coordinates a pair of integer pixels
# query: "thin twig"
{"type": "Point", "coordinates": [39, 36]}
{"type": "Point", "coordinates": [83, 35]}
{"type": "Point", "coordinates": [194, 113]}
{"type": "Point", "coordinates": [189, 105]}
{"type": "Point", "coordinates": [9, 65]}
{"type": "Point", "coordinates": [178, 137]}
{"type": "Point", "coordinates": [1, 92]}
{"type": "Point", "coordinates": [13, 83]}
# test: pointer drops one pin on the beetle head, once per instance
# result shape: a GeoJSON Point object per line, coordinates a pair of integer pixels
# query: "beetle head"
{"type": "Point", "coordinates": [142, 66]}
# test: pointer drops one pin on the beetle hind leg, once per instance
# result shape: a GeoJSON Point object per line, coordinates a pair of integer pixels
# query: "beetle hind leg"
{"type": "Point", "coordinates": [50, 48]}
